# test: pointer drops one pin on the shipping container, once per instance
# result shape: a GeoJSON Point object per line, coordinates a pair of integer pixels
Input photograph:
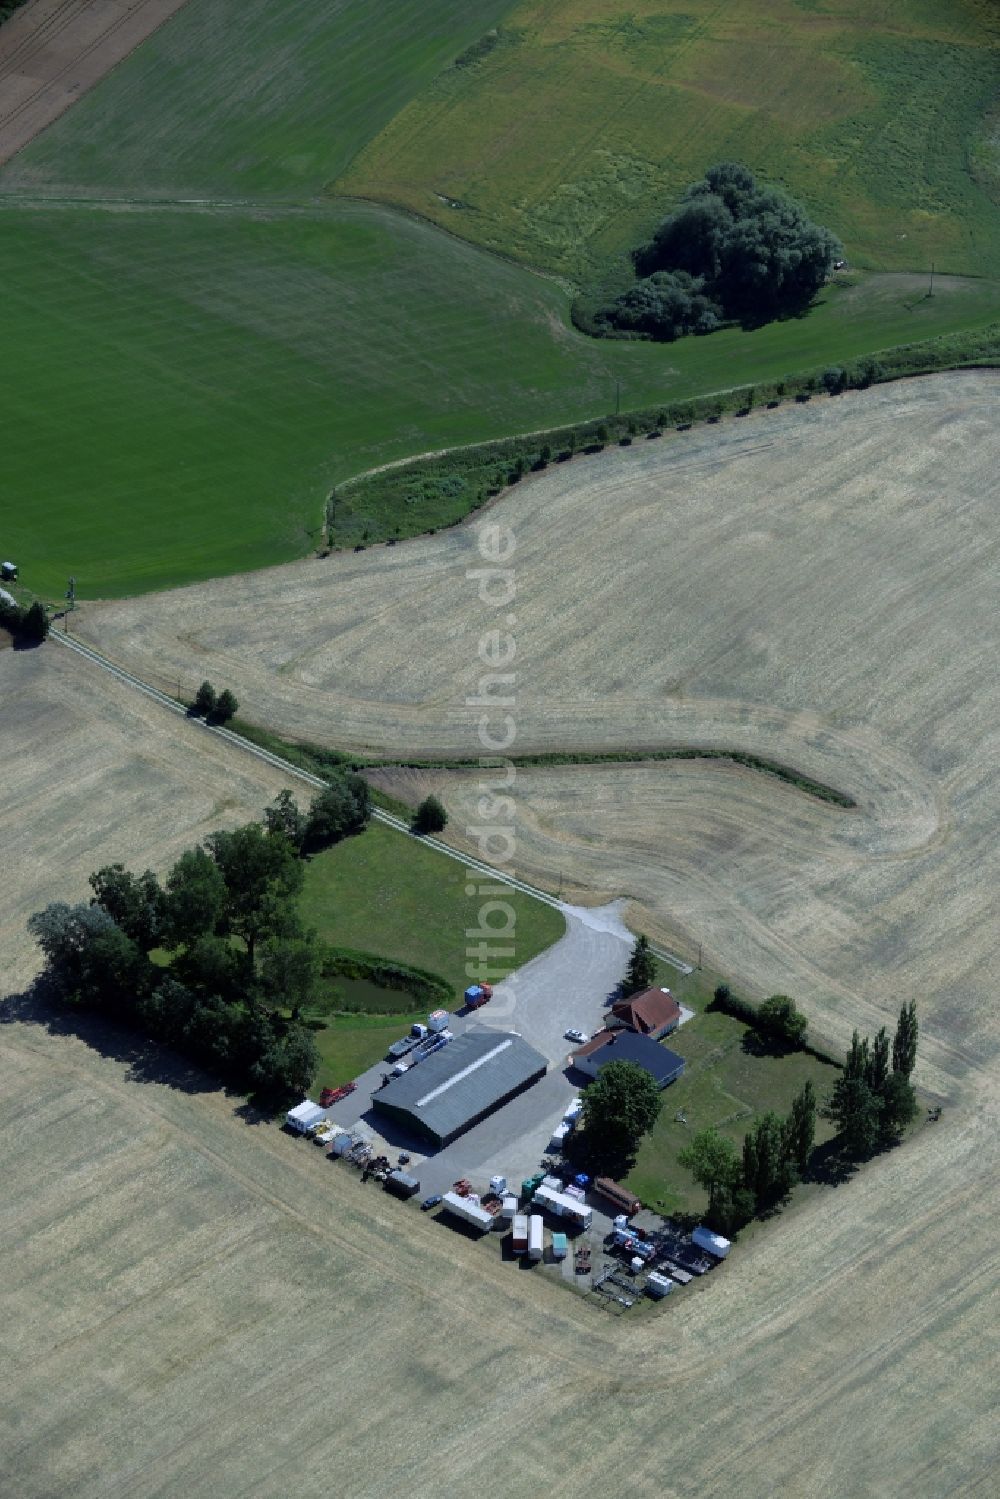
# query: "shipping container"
{"type": "Point", "coordinates": [564, 1207]}
{"type": "Point", "coordinates": [469, 1212]}
{"type": "Point", "coordinates": [536, 1237]}
{"type": "Point", "coordinates": [625, 1201]}
{"type": "Point", "coordinates": [520, 1234]}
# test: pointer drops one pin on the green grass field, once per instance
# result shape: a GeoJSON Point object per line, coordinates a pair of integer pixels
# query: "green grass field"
{"type": "Point", "coordinates": [249, 98]}
{"type": "Point", "coordinates": [569, 140]}
{"type": "Point", "coordinates": [188, 385]}
{"type": "Point", "coordinates": [391, 895]}
{"type": "Point", "coordinates": [184, 385]}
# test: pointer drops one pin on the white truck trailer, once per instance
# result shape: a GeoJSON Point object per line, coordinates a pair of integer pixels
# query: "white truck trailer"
{"type": "Point", "coordinates": [469, 1212]}
{"type": "Point", "coordinates": [562, 1206]}
{"type": "Point", "coordinates": [536, 1236]}
{"type": "Point", "coordinates": [520, 1233]}
{"type": "Point", "coordinates": [716, 1245]}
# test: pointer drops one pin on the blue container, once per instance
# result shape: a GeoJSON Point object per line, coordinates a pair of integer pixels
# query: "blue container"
{"type": "Point", "coordinates": [472, 993]}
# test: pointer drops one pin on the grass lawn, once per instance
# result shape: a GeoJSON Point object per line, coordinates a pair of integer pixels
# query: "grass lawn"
{"type": "Point", "coordinates": [182, 388]}
{"type": "Point", "coordinates": [387, 893]}
{"type": "Point", "coordinates": [567, 141]}
{"type": "Point", "coordinates": [724, 1085]}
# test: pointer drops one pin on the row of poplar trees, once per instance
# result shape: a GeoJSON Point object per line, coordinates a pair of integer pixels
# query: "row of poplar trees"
{"type": "Point", "coordinates": [873, 1099]}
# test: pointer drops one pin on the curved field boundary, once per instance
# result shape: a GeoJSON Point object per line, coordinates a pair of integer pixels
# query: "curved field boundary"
{"type": "Point", "coordinates": [53, 51]}
{"type": "Point", "coordinates": [797, 778]}
{"type": "Point", "coordinates": [498, 876]}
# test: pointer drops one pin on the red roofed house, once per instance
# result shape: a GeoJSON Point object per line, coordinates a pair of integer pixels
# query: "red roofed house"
{"type": "Point", "coordinates": [653, 1013]}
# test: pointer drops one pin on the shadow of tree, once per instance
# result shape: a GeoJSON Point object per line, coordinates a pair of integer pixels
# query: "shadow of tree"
{"type": "Point", "coordinates": [147, 1061]}
{"type": "Point", "coordinates": [758, 1044]}
{"type": "Point", "coordinates": [830, 1165]}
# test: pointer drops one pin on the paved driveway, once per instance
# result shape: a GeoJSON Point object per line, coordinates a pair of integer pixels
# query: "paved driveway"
{"type": "Point", "coordinates": [570, 984]}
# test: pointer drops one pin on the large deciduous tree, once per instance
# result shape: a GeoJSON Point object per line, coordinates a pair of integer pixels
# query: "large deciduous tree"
{"type": "Point", "coordinates": [262, 874]}
{"type": "Point", "coordinates": [195, 898]}
{"type": "Point", "coordinates": [712, 1161]}
{"type": "Point", "coordinates": [619, 1107]}
{"type": "Point", "coordinates": [135, 903]}
{"type": "Point", "coordinates": [343, 808]}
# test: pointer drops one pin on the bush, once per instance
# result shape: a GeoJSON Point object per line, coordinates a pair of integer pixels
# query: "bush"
{"type": "Point", "coordinates": [35, 625]}
{"type": "Point", "coordinates": [226, 707]}
{"type": "Point", "coordinates": [430, 816]}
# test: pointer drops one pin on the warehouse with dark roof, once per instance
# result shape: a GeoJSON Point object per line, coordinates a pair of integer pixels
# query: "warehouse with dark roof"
{"type": "Point", "coordinates": [450, 1091]}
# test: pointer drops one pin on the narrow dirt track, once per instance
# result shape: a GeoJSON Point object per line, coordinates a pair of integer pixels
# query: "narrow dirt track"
{"type": "Point", "coordinates": [53, 51]}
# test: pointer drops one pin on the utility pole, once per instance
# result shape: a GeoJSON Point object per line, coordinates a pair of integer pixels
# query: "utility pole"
{"type": "Point", "coordinates": [931, 291]}
{"type": "Point", "coordinates": [70, 604]}
{"type": "Point", "coordinates": [618, 397]}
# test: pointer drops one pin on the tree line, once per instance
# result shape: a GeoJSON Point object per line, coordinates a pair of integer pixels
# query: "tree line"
{"type": "Point", "coordinates": [208, 960]}
{"type": "Point", "coordinates": [774, 1157]}
{"type": "Point", "coordinates": [730, 252]}
{"type": "Point", "coordinates": [872, 1103]}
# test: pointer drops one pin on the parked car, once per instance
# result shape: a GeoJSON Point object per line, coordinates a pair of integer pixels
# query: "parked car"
{"type": "Point", "coordinates": [431, 1202]}
{"type": "Point", "coordinates": [578, 1036]}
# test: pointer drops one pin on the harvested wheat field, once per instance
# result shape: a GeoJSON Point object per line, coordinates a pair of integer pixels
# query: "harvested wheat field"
{"type": "Point", "coordinates": [818, 586]}
{"type": "Point", "coordinates": [53, 51]}
{"type": "Point", "coordinates": [187, 1293]}
{"type": "Point", "coordinates": [94, 773]}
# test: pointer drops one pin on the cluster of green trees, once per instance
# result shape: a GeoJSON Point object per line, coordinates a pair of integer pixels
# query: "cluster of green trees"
{"type": "Point", "coordinates": [872, 1103]}
{"type": "Point", "coordinates": [28, 624]}
{"type": "Point", "coordinates": [873, 1099]}
{"type": "Point", "coordinates": [731, 251]}
{"type": "Point", "coordinates": [208, 961]}
{"type": "Point", "coordinates": [775, 1156]}
{"type": "Point", "coordinates": [216, 707]}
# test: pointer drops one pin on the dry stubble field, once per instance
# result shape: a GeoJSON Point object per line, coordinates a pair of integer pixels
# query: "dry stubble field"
{"type": "Point", "coordinates": [94, 773]}
{"type": "Point", "coordinates": [186, 1295]}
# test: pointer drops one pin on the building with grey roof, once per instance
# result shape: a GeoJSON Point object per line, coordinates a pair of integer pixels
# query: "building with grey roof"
{"type": "Point", "coordinates": [454, 1088]}
{"type": "Point", "coordinates": [662, 1065]}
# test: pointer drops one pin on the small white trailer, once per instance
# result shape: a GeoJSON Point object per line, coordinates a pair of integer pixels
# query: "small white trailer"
{"type": "Point", "coordinates": [562, 1206]}
{"type": "Point", "coordinates": [536, 1236]}
{"type": "Point", "coordinates": [658, 1285]}
{"type": "Point", "coordinates": [469, 1212]}
{"type": "Point", "coordinates": [714, 1244]}
{"type": "Point", "coordinates": [304, 1116]}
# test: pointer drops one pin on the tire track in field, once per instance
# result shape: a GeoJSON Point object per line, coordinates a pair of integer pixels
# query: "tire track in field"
{"type": "Point", "coordinates": [42, 50]}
